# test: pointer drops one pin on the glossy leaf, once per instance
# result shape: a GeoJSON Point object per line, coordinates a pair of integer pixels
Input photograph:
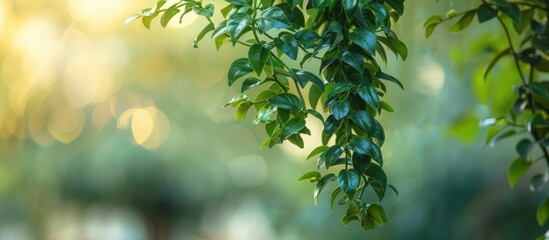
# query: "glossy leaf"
{"type": "Point", "coordinates": [236, 24]}
{"type": "Point", "coordinates": [348, 180]}
{"type": "Point", "coordinates": [332, 154]}
{"type": "Point", "coordinates": [463, 22]}
{"type": "Point", "coordinates": [312, 176]}
{"type": "Point", "coordinates": [288, 45]}
{"type": "Point", "coordinates": [485, 13]}
{"type": "Point", "coordinates": [397, 5]}
{"type": "Point", "coordinates": [364, 146]}
{"type": "Point", "coordinates": [321, 184]}
{"type": "Point", "coordinates": [273, 17]}
{"type": "Point", "coordinates": [258, 56]}
{"type": "Point", "coordinates": [543, 212]}
{"type": "Point", "coordinates": [291, 127]}
{"type": "Point", "coordinates": [518, 168]}
{"type": "Point", "coordinates": [365, 38]}
{"type": "Point", "coordinates": [200, 36]}
{"type": "Point", "coordinates": [317, 150]}
{"type": "Point", "coordinates": [388, 77]}
{"type": "Point", "coordinates": [364, 121]}
{"type": "Point", "coordinates": [238, 69]}
{"type": "Point", "coordinates": [206, 11]}
{"type": "Point", "coordinates": [361, 162]}
{"type": "Point", "coordinates": [340, 109]}
{"type": "Point", "coordinates": [286, 101]}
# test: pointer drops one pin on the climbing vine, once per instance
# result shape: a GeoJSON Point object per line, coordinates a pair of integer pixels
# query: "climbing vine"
{"type": "Point", "coordinates": [524, 24]}
{"type": "Point", "coordinates": [347, 39]}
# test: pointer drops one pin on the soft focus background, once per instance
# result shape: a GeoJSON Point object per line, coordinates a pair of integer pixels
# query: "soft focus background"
{"type": "Point", "coordinates": [117, 132]}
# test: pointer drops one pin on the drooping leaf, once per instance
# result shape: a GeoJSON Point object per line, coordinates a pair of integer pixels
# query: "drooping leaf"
{"type": "Point", "coordinates": [306, 37]}
{"type": "Point", "coordinates": [321, 184]}
{"type": "Point", "coordinates": [485, 13]}
{"type": "Point", "coordinates": [168, 15]}
{"type": "Point", "coordinates": [333, 196]}
{"type": "Point", "coordinates": [286, 101]}
{"type": "Point", "coordinates": [317, 150]}
{"type": "Point", "coordinates": [348, 180]}
{"type": "Point", "coordinates": [239, 2]}
{"type": "Point", "coordinates": [397, 5]}
{"type": "Point", "coordinates": [332, 154]}
{"type": "Point", "coordinates": [517, 169]}
{"type": "Point", "coordinates": [388, 77]}
{"type": "Point", "coordinates": [525, 148]}
{"type": "Point", "coordinates": [236, 24]}
{"type": "Point", "coordinates": [288, 45]}
{"type": "Point", "coordinates": [207, 10]}
{"type": "Point", "coordinates": [258, 56]}
{"type": "Point", "coordinates": [537, 182]}
{"type": "Point", "coordinates": [273, 17]}
{"type": "Point", "coordinates": [543, 212]}
{"type": "Point", "coordinates": [237, 100]}
{"type": "Point", "coordinates": [361, 162]}
{"type": "Point", "coordinates": [377, 213]}
{"type": "Point", "coordinates": [200, 36]}
{"type": "Point", "coordinates": [464, 21]}
{"type": "Point", "coordinates": [378, 179]}
{"type": "Point", "coordinates": [365, 38]}
{"type": "Point", "coordinates": [312, 176]}
{"type": "Point", "coordinates": [353, 58]}
{"type": "Point", "coordinates": [364, 146]}
{"type": "Point", "coordinates": [303, 77]}
{"type": "Point", "coordinates": [364, 121]}
{"type": "Point", "coordinates": [369, 95]}
{"type": "Point", "coordinates": [238, 69]}
{"type": "Point", "coordinates": [340, 109]}
{"type": "Point", "coordinates": [291, 127]}
{"type": "Point", "coordinates": [386, 106]}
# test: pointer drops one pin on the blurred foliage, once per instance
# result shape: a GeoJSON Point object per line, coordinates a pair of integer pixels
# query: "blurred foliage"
{"type": "Point", "coordinates": [527, 114]}
{"type": "Point", "coordinates": [204, 177]}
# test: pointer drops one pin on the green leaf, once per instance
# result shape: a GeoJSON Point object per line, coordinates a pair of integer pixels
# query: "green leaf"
{"type": "Point", "coordinates": [429, 29]}
{"type": "Point", "coordinates": [330, 125]}
{"type": "Point", "coordinates": [543, 212]}
{"type": "Point", "coordinates": [353, 58]}
{"type": "Point", "coordinates": [273, 17]}
{"type": "Point", "coordinates": [242, 110]}
{"type": "Point", "coordinates": [321, 184]}
{"type": "Point", "coordinates": [433, 20]}
{"type": "Point", "coordinates": [258, 56]}
{"type": "Point", "coordinates": [369, 95]}
{"type": "Point", "coordinates": [364, 121]}
{"type": "Point", "coordinates": [288, 45]}
{"type": "Point", "coordinates": [525, 148]}
{"type": "Point", "coordinates": [361, 162]}
{"type": "Point", "coordinates": [203, 33]}
{"type": "Point", "coordinates": [511, 10]}
{"type": "Point", "coordinates": [131, 18]}
{"type": "Point", "coordinates": [350, 7]}
{"type": "Point", "coordinates": [397, 5]}
{"type": "Point", "coordinates": [501, 135]}
{"type": "Point", "coordinates": [146, 20]}
{"type": "Point", "coordinates": [314, 95]}
{"type": "Point", "coordinates": [332, 154]}
{"type": "Point", "coordinates": [381, 14]}
{"type": "Point", "coordinates": [292, 3]}
{"type": "Point", "coordinates": [364, 146]}
{"type": "Point", "coordinates": [168, 15]}
{"type": "Point", "coordinates": [386, 106]}
{"type": "Point", "coordinates": [286, 101]}
{"type": "Point", "coordinates": [239, 68]}
{"type": "Point", "coordinates": [517, 169]}
{"type": "Point", "coordinates": [339, 88]}
{"type": "Point", "coordinates": [264, 114]}
{"type": "Point", "coordinates": [206, 11]}
{"type": "Point", "coordinates": [348, 180]}
{"type": "Point", "coordinates": [537, 182]}
{"type": "Point", "coordinates": [388, 77]}
{"type": "Point", "coordinates": [220, 30]}
{"type": "Point", "coordinates": [397, 46]}
{"type": "Point", "coordinates": [303, 77]}
{"type": "Point", "coordinates": [317, 150]}
{"type": "Point", "coordinates": [464, 21]}
{"type": "Point", "coordinates": [312, 176]}
{"type": "Point", "coordinates": [377, 213]}
{"type": "Point", "coordinates": [347, 219]}
{"type": "Point", "coordinates": [378, 179]}
{"type": "Point", "coordinates": [340, 109]}
{"type": "Point", "coordinates": [353, 208]}
{"type": "Point", "coordinates": [333, 196]}
{"type": "Point", "coordinates": [250, 83]}
{"type": "Point", "coordinates": [306, 37]}
{"type": "Point", "coordinates": [485, 13]}
{"type": "Point", "coordinates": [237, 100]}
{"type": "Point", "coordinates": [291, 127]}
{"type": "Point", "coordinates": [365, 38]}
{"type": "Point", "coordinates": [236, 24]}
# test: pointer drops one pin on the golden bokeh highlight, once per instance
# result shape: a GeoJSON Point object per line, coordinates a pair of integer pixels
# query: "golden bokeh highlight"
{"type": "Point", "coordinates": [150, 127]}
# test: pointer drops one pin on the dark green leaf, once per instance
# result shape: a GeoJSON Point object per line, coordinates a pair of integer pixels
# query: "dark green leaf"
{"type": "Point", "coordinates": [511, 10]}
{"type": "Point", "coordinates": [302, 77]}
{"type": "Point", "coordinates": [353, 58]}
{"type": "Point", "coordinates": [297, 140]}
{"type": "Point", "coordinates": [361, 162]}
{"type": "Point", "coordinates": [350, 7]}
{"type": "Point", "coordinates": [377, 213]}
{"type": "Point", "coordinates": [330, 125]}
{"type": "Point", "coordinates": [251, 82]}
{"type": "Point", "coordinates": [340, 109]}
{"type": "Point", "coordinates": [364, 121]}
{"type": "Point", "coordinates": [314, 95]}
{"type": "Point", "coordinates": [543, 212]}
{"type": "Point", "coordinates": [339, 88]}
{"type": "Point", "coordinates": [332, 154]}
{"type": "Point", "coordinates": [307, 37]}
{"type": "Point", "coordinates": [397, 5]}
{"type": "Point", "coordinates": [495, 60]}
{"type": "Point", "coordinates": [288, 45]}
{"type": "Point", "coordinates": [347, 219]}
{"type": "Point", "coordinates": [291, 127]}
{"type": "Point", "coordinates": [365, 38]}
{"type": "Point", "coordinates": [239, 68]}
{"type": "Point", "coordinates": [273, 17]}
{"type": "Point", "coordinates": [500, 136]}
{"type": "Point", "coordinates": [321, 184]}
{"type": "Point", "coordinates": [537, 182]}
{"type": "Point", "coordinates": [220, 30]}
{"type": "Point", "coordinates": [485, 13]}
{"type": "Point", "coordinates": [286, 101]}
{"type": "Point", "coordinates": [239, 2]}
{"type": "Point", "coordinates": [364, 146]}
{"type": "Point", "coordinates": [525, 148]}
{"type": "Point", "coordinates": [518, 168]}
{"type": "Point", "coordinates": [388, 77]}
{"type": "Point", "coordinates": [333, 196]}
{"type": "Point", "coordinates": [236, 24]}
{"type": "Point", "coordinates": [312, 176]}
{"type": "Point", "coordinates": [381, 14]}
{"type": "Point", "coordinates": [369, 95]}
{"type": "Point", "coordinates": [378, 179]}
{"type": "Point", "coordinates": [348, 180]}
{"type": "Point", "coordinates": [258, 56]}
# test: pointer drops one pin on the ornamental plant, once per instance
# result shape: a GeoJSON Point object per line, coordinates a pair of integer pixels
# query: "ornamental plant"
{"type": "Point", "coordinates": [524, 24]}
{"type": "Point", "coordinates": [347, 39]}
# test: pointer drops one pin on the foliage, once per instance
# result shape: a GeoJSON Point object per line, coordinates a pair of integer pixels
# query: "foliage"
{"type": "Point", "coordinates": [344, 37]}
{"type": "Point", "coordinates": [528, 115]}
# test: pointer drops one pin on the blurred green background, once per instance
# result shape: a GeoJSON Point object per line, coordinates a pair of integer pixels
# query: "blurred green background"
{"type": "Point", "coordinates": [117, 132]}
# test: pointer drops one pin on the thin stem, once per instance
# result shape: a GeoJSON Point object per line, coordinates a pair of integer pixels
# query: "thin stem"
{"type": "Point", "coordinates": [531, 5]}
{"type": "Point", "coordinates": [512, 49]}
